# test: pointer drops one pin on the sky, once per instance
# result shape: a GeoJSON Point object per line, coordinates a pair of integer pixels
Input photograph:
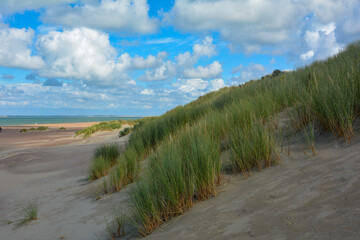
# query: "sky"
{"type": "Point", "coordinates": [143, 58]}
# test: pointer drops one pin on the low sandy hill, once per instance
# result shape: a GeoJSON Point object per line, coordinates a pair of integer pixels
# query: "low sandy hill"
{"type": "Point", "coordinates": [301, 198]}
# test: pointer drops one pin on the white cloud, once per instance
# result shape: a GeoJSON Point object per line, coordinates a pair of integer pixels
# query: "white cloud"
{"type": "Point", "coordinates": [147, 92]}
{"type": "Point", "coordinates": [207, 48]}
{"type": "Point", "coordinates": [262, 25]}
{"type": "Point", "coordinates": [183, 64]}
{"type": "Point", "coordinates": [210, 71]}
{"type": "Point", "coordinates": [204, 49]}
{"type": "Point", "coordinates": [238, 21]}
{"type": "Point", "coordinates": [10, 6]}
{"type": "Point", "coordinates": [131, 82]}
{"type": "Point", "coordinates": [120, 15]}
{"type": "Point", "coordinates": [195, 86]}
{"type": "Point", "coordinates": [216, 84]}
{"type": "Point", "coordinates": [165, 71]}
{"type": "Point", "coordinates": [67, 96]}
{"type": "Point", "coordinates": [151, 61]}
{"type": "Point", "coordinates": [308, 55]}
{"type": "Point", "coordinates": [321, 41]}
{"type": "Point", "coordinates": [15, 49]}
{"type": "Point", "coordinates": [80, 53]}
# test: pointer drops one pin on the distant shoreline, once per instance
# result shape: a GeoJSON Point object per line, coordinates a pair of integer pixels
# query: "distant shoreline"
{"type": "Point", "coordinates": [44, 120]}
{"type": "Point", "coordinates": [52, 125]}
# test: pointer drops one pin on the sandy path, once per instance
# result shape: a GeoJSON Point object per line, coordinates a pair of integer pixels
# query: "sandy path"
{"type": "Point", "coordinates": [54, 176]}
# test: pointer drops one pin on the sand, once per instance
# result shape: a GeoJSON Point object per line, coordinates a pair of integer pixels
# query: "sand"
{"type": "Point", "coordinates": [301, 198]}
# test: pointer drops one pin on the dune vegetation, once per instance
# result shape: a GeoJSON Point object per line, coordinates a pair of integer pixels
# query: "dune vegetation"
{"type": "Point", "coordinates": [104, 126]}
{"type": "Point", "coordinates": [41, 128]}
{"type": "Point", "coordinates": [179, 153]}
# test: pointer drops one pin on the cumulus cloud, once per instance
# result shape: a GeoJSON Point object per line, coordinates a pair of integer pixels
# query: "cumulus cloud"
{"type": "Point", "coordinates": [183, 65]}
{"type": "Point", "coordinates": [15, 49]}
{"type": "Point", "coordinates": [204, 49]}
{"type": "Point", "coordinates": [147, 92]}
{"type": "Point", "coordinates": [238, 21]}
{"type": "Point", "coordinates": [321, 42]}
{"type": "Point", "coordinates": [120, 15]}
{"type": "Point", "coordinates": [165, 71]}
{"type": "Point", "coordinates": [217, 84]}
{"type": "Point", "coordinates": [196, 87]}
{"type": "Point", "coordinates": [68, 96]}
{"type": "Point", "coordinates": [308, 55]}
{"type": "Point", "coordinates": [255, 26]}
{"type": "Point", "coordinates": [79, 53]}
{"type": "Point", "coordinates": [10, 6]}
{"type": "Point", "coordinates": [151, 61]}
{"type": "Point", "coordinates": [210, 71]}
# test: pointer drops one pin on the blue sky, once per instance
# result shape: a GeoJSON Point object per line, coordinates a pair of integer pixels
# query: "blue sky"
{"type": "Point", "coordinates": [123, 57]}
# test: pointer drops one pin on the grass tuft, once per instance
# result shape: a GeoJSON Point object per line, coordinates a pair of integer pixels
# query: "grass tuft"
{"type": "Point", "coordinates": [30, 214]}
{"type": "Point", "coordinates": [125, 132]}
{"type": "Point", "coordinates": [105, 156]}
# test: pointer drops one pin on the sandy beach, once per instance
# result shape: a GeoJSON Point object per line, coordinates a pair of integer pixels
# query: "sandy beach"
{"type": "Point", "coordinates": [301, 198]}
{"type": "Point", "coordinates": [49, 168]}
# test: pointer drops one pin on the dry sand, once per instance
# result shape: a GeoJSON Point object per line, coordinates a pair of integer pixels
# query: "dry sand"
{"type": "Point", "coordinates": [301, 198]}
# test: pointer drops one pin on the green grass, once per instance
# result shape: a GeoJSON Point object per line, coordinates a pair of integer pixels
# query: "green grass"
{"type": "Point", "coordinates": [252, 147]}
{"type": "Point", "coordinates": [182, 148]}
{"type": "Point", "coordinates": [41, 128]}
{"type": "Point", "coordinates": [180, 172]}
{"type": "Point", "coordinates": [105, 156]}
{"type": "Point", "coordinates": [30, 214]}
{"type": "Point", "coordinates": [125, 132]}
{"type": "Point", "coordinates": [102, 126]}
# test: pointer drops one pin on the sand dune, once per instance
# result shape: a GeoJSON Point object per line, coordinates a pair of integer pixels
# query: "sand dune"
{"type": "Point", "coordinates": [301, 198]}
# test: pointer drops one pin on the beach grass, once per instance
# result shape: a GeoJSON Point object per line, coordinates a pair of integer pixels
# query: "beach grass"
{"type": "Point", "coordinates": [125, 132]}
{"type": "Point", "coordinates": [41, 128]}
{"type": "Point", "coordinates": [102, 126]}
{"type": "Point", "coordinates": [105, 156]}
{"type": "Point", "coordinates": [30, 214]}
{"type": "Point", "coordinates": [182, 171]}
{"type": "Point", "coordinates": [105, 126]}
{"type": "Point", "coordinates": [182, 148]}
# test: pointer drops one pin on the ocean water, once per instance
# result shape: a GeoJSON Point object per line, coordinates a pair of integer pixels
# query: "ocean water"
{"type": "Point", "coordinates": [25, 120]}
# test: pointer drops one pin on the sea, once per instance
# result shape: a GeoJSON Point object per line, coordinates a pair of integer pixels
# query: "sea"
{"type": "Point", "coordinates": [25, 120]}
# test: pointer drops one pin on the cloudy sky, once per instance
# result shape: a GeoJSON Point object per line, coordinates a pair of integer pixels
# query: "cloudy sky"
{"type": "Point", "coordinates": [124, 57]}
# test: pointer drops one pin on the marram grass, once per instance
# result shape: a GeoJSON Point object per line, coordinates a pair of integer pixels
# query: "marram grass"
{"type": "Point", "coordinates": [105, 156]}
{"type": "Point", "coordinates": [183, 146]}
